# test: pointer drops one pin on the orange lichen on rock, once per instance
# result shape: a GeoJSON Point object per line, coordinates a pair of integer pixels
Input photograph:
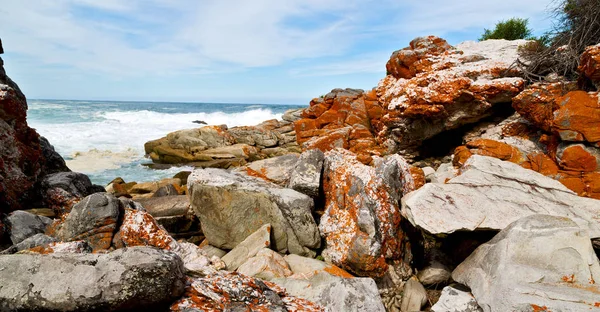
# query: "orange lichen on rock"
{"type": "Point", "coordinates": [490, 148]}
{"type": "Point", "coordinates": [408, 62]}
{"type": "Point", "coordinates": [578, 117]}
{"type": "Point", "coordinates": [140, 229]}
{"type": "Point", "coordinates": [589, 63]}
{"type": "Point", "coordinates": [538, 102]}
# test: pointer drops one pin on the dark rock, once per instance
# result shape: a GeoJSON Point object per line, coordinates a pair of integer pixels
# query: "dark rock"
{"type": "Point", "coordinates": [63, 189]}
{"type": "Point", "coordinates": [130, 278]}
{"type": "Point", "coordinates": [167, 190]}
{"type": "Point", "coordinates": [201, 122]}
{"type": "Point", "coordinates": [183, 176]}
{"type": "Point", "coordinates": [54, 162]}
{"type": "Point", "coordinates": [94, 220]}
{"type": "Point", "coordinates": [23, 224]}
{"type": "Point", "coordinates": [30, 242]}
{"type": "Point", "coordinates": [1, 49]}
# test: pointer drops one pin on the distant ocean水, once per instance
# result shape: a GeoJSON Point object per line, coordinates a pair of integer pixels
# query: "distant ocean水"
{"type": "Point", "coordinates": [105, 139]}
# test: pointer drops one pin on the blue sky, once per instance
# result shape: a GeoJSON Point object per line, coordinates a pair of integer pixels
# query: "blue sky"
{"type": "Point", "coordinates": [243, 51]}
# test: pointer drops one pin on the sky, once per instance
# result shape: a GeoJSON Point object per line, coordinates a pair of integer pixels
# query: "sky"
{"type": "Point", "coordinates": [227, 51]}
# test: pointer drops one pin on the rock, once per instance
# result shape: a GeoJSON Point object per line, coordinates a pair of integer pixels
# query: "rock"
{"type": "Point", "coordinates": [277, 169]}
{"type": "Point", "coordinates": [54, 162]}
{"type": "Point", "coordinates": [429, 173]}
{"type": "Point", "coordinates": [538, 102]}
{"type": "Point", "coordinates": [1, 48]}
{"type": "Point", "coordinates": [228, 291]}
{"type": "Point", "coordinates": [152, 187]}
{"type": "Point", "coordinates": [361, 224]}
{"type": "Point", "coordinates": [248, 248]}
{"type": "Point", "coordinates": [306, 175]}
{"type": "Point", "coordinates": [344, 118]}
{"type": "Point", "coordinates": [30, 242]}
{"type": "Point", "coordinates": [42, 212]}
{"type": "Point", "coordinates": [90, 282]}
{"type": "Point", "coordinates": [60, 191]}
{"type": "Point", "coordinates": [434, 274]}
{"type": "Point", "coordinates": [444, 172]}
{"type": "Point", "coordinates": [94, 220]}
{"type": "Point", "coordinates": [60, 247]}
{"type": "Point", "coordinates": [577, 117]}
{"type": "Point", "coordinates": [292, 115]}
{"type": "Point", "coordinates": [432, 88]}
{"type": "Point", "coordinates": [538, 262]}
{"type": "Point", "coordinates": [456, 298]}
{"type": "Point", "coordinates": [336, 293]}
{"type": "Point", "coordinates": [490, 194]}
{"type": "Point", "coordinates": [414, 296]}
{"type": "Point", "coordinates": [200, 122]}
{"type": "Point", "coordinates": [167, 190]}
{"type": "Point", "coordinates": [231, 206]}
{"type": "Point", "coordinates": [180, 224]}
{"type": "Point", "coordinates": [589, 64]}
{"type": "Point", "coordinates": [21, 157]}
{"type": "Point", "coordinates": [578, 157]}
{"type": "Point", "coordinates": [304, 267]}
{"type": "Point", "coordinates": [183, 176]}
{"type": "Point", "coordinates": [166, 206]}
{"type": "Point", "coordinates": [266, 265]}
{"type": "Point", "coordinates": [23, 224]}
{"type": "Point", "coordinates": [211, 251]}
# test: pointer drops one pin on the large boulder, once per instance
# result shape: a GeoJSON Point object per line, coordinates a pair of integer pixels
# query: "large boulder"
{"type": "Point", "coordinates": [277, 169]}
{"type": "Point", "coordinates": [94, 220]}
{"type": "Point", "coordinates": [23, 225]}
{"type": "Point", "coordinates": [231, 206]}
{"type": "Point", "coordinates": [21, 156]}
{"type": "Point", "coordinates": [90, 282]}
{"type": "Point", "coordinates": [538, 263]}
{"type": "Point", "coordinates": [361, 224]}
{"type": "Point", "coordinates": [432, 87]}
{"type": "Point", "coordinates": [489, 194]}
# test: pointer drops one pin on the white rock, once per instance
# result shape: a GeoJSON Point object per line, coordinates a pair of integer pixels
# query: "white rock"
{"type": "Point", "coordinates": [490, 194]}
{"type": "Point", "coordinates": [455, 298]}
{"type": "Point", "coordinates": [248, 248]}
{"type": "Point", "coordinates": [266, 265]}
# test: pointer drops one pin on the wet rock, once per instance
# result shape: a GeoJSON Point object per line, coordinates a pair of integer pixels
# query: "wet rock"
{"type": "Point", "coordinates": [306, 175]}
{"type": "Point", "coordinates": [490, 194]}
{"type": "Point", "coordinates": [22, 225]}
{"type": "Point", "coordinates": [94, 220]}
{"type": "Point", "coordinates": [231, 206]}
{"type": "Point", "coordinates": [456, 298]}
{"type": "Point", "coordinates": [277, 169]}
{"type": "Point", "coordinates": [90, 282]}
{"type": "Point", "coordinates": [538, 262]}
{"type": "Point", "coordinates": [361, 224]}
{"type": "Point", "coordinates": [248, 248]}
{"type": "Point", "coordinates": [266, 265]}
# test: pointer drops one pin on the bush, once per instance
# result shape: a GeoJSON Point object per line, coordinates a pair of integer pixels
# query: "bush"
{"type": "Point", "coordinates": [577, 25]}
{"type": "Point", "coordinates": [512, 29]}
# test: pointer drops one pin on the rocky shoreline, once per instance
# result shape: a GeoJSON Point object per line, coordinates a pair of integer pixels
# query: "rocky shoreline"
{"type": "Point", "coordinates": [454, 185]}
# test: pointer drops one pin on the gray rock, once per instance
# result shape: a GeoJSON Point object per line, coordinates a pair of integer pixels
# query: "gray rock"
{"type": "Point", "coordinates": [292, 115]}
{"type": "Point", "coordinates": [456, 298]}
{"type": "Point", "coordinates": [59, 190]}
{"type": "Point", "coordinates": [30, 242]}
{"type": "Point", "coordinates": [231, 206]}
{"type": "Point", "coordinates": [94, 219]}
{"type": "Point", "coordinates": [248, 248]}
{"type": "Point", "coordinates": [434, 274]}
{"type": "Point", "coordinates": [414, 296]}
{"type": "Point", "coordinates": [130, 278]}
{"type": "Point", "coordinates": [23, 224]}
{"type": "Point", "coordinates": [166, 206]}
{"type": "Point", "coordinates": [540, 260]}
{"type": "Point", "coordinates": [306, 176]}
{"type": "Point", "coordinates": [276, 169]}
{"type": "Point", "coordinates": [336, 293]}
{"type": "Point", "coordinates": [490, 194]}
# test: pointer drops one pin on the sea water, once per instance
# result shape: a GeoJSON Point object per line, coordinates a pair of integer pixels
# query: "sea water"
{"type": "Point", "coordinates": [105, 139]}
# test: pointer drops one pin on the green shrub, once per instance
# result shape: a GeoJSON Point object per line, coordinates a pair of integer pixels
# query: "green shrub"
{"type": "Point", "coordinates": [512, 29]}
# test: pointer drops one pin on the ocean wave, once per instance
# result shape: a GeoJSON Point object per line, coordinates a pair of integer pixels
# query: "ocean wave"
{"type": "Point", "coordinates": [43, 106]}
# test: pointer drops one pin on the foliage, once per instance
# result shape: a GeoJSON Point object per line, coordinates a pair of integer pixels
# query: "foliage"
{"type": "Point", "coordinates": [512, 29]}
{"type": "Point", "coordinates": [577, 25]}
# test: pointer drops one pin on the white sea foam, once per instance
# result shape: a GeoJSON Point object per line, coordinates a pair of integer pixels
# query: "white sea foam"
{"type": "Point", "coordinates": [95, 160]}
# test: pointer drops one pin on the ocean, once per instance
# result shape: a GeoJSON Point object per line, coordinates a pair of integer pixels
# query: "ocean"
{"type": "Point", "coordinates": [105, 139]}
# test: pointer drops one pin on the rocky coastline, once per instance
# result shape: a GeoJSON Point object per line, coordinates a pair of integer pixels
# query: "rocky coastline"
{"type": "Point", "coordinates": [453, 185]}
